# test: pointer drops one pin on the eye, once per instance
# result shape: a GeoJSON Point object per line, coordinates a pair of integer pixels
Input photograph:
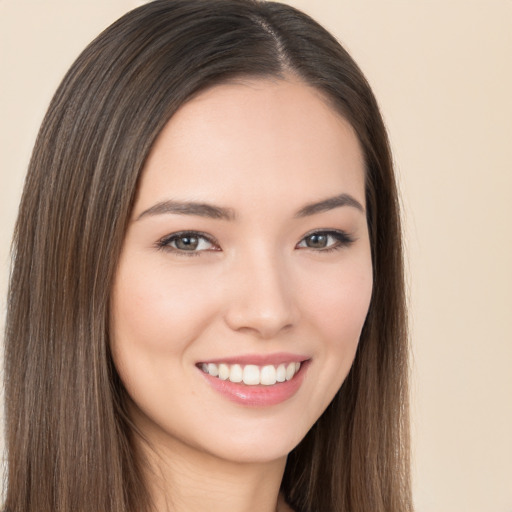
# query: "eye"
{"type": "Point", "coordinates": [187, 242]}
{"type": "Point", "coordinates": [325, 240]}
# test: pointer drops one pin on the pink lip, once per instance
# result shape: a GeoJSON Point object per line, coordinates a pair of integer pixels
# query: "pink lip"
{"type": "Point", "coordinates": [258, 395]}
{"type": "Point", "coordinates": [260, 359]}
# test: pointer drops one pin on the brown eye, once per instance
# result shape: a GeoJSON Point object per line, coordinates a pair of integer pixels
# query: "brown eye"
{"type": "Point", "coordinates": [186, 243]}
{"type": "Point", "coordinates": [317, 241]}
{"type": "Point", "coordinates": [191, 243]}
{"type": "Point", "coordinates": [325, 241]}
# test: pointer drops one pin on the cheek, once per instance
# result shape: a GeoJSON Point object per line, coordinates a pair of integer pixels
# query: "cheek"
{"type": "Point", "coordinates": [158, 310]}
{"type": "Point", "coordinates": [345, 310]}
{"type": "Point", "coordinates": [338, 301]}
{"type": "Point", "coordinates": [156, 316]}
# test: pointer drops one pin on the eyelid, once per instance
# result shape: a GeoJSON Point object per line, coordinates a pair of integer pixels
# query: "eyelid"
{"type": "Point", "coordinates": [164, 242]}
{"type": "Point", "coordinates": [343, 239]}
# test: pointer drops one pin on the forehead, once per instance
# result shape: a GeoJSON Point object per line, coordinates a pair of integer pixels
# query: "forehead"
{"type": "Point", "coordinates": [244, 140]}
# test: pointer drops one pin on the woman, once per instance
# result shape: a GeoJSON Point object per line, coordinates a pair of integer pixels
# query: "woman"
{"type": "Point", "coordinates": [206, 305]}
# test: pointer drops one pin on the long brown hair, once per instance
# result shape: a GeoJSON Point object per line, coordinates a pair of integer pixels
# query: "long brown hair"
{"type": "Point", "coordinates": [69, 439]}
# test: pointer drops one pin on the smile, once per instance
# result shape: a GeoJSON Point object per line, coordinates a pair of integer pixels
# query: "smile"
{"type": "Point", "coordinates": [251, 374]}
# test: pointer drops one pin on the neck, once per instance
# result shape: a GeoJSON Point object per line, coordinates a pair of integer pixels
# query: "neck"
{"type": "Point", "coordinates": [183, 479]}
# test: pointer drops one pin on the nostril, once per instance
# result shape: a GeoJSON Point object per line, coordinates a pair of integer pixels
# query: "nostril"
{"type": "Point", "coordinates": [263, 326]}
{"type": "Point", "coordinates": [260, 298]}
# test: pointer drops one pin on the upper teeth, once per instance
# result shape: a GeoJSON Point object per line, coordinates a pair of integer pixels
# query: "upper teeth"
{"type": "Point", "coordinates": [251, 374]}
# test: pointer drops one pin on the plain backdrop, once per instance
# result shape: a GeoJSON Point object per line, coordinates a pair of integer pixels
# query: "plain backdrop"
{"type": "Point", "coordinates": [441, 70]}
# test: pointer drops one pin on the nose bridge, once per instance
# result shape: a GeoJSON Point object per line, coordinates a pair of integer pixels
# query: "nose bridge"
{"type": "Point", "coordinates": [262, 299]}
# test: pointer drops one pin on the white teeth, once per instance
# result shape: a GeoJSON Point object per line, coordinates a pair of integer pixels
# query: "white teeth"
{"type": "Point", "coordinates": [290, 371]}
{"type": "Point", "coordinates": [223, 371]}
{"type": "Point", "coordinates": [252, 375]}
{"type": "Point", "coordinates": [236, 373]}
{"type": "Point", "coordinates": [268, 375]}
{"type": "Point", "coordinates": [213, 370]}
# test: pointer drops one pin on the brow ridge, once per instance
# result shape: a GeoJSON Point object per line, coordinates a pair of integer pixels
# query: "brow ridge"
{"type": "Point", "coordinates": [218, 212]}
{"type": "Point", "coordinates": [329, 204]}
{"type": "Point", "coordinates": [189, 208]}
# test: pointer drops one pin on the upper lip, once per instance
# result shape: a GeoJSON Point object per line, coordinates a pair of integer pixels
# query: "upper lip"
{"type": "Point", "coordinates": [259, 359]}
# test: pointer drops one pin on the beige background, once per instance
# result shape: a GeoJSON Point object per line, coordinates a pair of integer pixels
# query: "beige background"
{"type": "Point", "coordinates": [441, 70]}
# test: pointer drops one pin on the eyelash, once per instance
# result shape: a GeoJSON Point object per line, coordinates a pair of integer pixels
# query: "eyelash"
{"type": "Point", "coordinates": [342, 239]}
{"type": "Point", "coordinates": [165, 242]}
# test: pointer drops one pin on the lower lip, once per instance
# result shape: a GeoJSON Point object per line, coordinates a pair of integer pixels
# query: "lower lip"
{"type": "Point", "coordinates": [258, 396]}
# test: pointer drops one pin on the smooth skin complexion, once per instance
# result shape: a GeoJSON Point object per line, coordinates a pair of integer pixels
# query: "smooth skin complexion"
{"type": "Point", "coordinates": [248, 244]}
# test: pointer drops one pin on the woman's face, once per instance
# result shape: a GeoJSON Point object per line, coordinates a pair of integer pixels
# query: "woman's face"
{"type": "Point", "coordinates": [247, 257]}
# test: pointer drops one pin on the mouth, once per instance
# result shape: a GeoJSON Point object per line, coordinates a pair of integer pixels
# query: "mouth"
{"type": "Point", "coordinates": [251, 374]}
{"type": "Point", "coordinates": [256, 380]}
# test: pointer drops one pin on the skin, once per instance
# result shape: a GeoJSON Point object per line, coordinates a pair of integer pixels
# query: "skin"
{"type": "Point", "coordinates": [264, 149]}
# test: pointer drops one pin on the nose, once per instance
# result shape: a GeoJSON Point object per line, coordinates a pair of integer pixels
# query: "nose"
{"type": "Point", "coordinates": [261, 300]}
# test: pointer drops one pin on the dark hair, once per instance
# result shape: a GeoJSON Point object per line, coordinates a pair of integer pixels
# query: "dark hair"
{"type": "Point", "coordinates": [69, 438]}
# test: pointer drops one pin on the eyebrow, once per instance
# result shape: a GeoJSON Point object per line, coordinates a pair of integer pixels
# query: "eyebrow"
{"type": "Point", "coordinates": [189, 208]}
{"type": "Point", "coordinates": [329, 204]}
{"type": "Point", "coordinates": [219, 212]}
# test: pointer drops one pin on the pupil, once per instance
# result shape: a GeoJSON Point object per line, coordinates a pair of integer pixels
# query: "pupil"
{"type": "Point", "coordinates": [317, 241]}
{"type": "Point", "coordinates": [187, 243]}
